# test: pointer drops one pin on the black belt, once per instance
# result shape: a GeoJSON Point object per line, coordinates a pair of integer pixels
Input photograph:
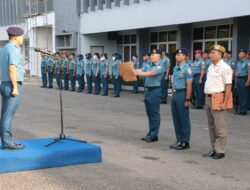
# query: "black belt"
{"type": "Point", "coordinates": [242, 77]}
{"type": "Point", "coordinates": [210, 95]}
{"type": "Point", "coordinates": [19, 82]}
{"type": "Point", "coordinates": [148, 88]}
{"type": "Point", "coordinates": [180, 90]}
{"type": "Point", "coordinates": [196, 75]}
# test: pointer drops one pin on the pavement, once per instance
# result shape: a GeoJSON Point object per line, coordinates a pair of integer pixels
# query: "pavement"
{"type": "Point", "coordinates": [117, 124]}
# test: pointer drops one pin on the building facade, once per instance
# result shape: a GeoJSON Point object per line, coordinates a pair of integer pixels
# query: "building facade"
{"type": "Point", "coordinates": [126, 26]}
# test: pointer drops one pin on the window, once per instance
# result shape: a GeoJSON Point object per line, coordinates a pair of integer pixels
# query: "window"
{"type": "Point", "coordinates": [163, 39]}
{"type": "Point", "coordinates": [127, 46]}
{"type": "Point", "coordinates": [172, 36]}
{"type": "Point", "coordinates": [198, 34]}
{"type": "Point", "coordinates": [163, 36]}
{"type": "Point", "coordinates": [154, 37]}
{"type": "Point", "coordinates": [223, 31]}
{"type": "Point", "coordinates": [205, 37]}
{"type": "Point", "coordinates": [210, 32]}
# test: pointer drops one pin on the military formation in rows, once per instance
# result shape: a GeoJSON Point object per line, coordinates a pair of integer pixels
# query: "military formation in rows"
{"type": "Point", "coordinates": [94, 68]}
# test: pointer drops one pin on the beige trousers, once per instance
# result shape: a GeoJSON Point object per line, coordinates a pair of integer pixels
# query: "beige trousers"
{"type": "Point", "coordinates": [218, 127]}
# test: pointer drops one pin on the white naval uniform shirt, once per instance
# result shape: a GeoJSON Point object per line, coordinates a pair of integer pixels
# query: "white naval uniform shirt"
{"type": "Point", "coordinates": [217, 77]}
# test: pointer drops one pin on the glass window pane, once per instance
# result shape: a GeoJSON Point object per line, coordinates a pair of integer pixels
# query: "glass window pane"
{"type": "Point", "coordinates": [133, 50]}
{"type": "Point", "coordinates": [120, 39]}
{"type": "Point", "coordinates": [224, 44]}
{"type": "Point", "coordinates": [223, 31]}
{"type": "Point", "coordinates": [154, 37]}
{"type": "Point", "coordinates": [126, 53]}
{"type": "Point", "coordinates": [153, 47]}
{"type": "Point", "coordinates": [126, 39]}
{"type": "Point", "coordinates": [163, 46]}
{"type": "Point", "coordinates": [210, 32]}
{"type": "Point", "coordinates": [172, 36]}
{"type": "Point", "coordinates": [198, 34]}
{"type": "Point", "coordinates": [163, 36]}
{"type": "Point", "coordinates": [171, 48]}
{"type": "Point", "coordinates": [209, 44]}
{"type": "Point", "coordinates": [133, 39]}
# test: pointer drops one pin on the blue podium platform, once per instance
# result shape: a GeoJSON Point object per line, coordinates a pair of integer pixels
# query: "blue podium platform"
{"type": "Point", "coordinates": [37, 156]}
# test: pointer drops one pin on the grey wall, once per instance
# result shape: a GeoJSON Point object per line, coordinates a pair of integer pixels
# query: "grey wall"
{"type": "Point", "coordinates": [185, 31]}
{"type": "Point", "coordinates": [142, 43]}
{"type": "Point", "coordinates": [66, 17]}
{"type": "Point", "coordinates": [241, 34]}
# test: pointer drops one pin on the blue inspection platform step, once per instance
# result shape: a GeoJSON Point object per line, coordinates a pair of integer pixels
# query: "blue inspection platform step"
{"type": "Point", "coordinates": [37, 156]}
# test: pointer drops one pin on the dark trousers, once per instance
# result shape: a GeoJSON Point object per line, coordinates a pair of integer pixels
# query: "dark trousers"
{"type": "Point", "coordinates": [152, 106]}
{"type": "Point", "coordinates": [242, 92]}
{"type": "Point", "coordinates": [135, 85]}
{"type": "Point", "coordinates": [105, 83]}
{"type": "Point", "coordinates": [44, 76]}
{"type": "Point", "coordinates": [72, 80]}
{"type": "Point", "coordinates": [164, 89]}
{"type": "Point", "coordinates": [117, 85]}
{"type": "Point", "coordinates": [202, 90]}
{"type": "Point", "coordinates": [180, 115]}
{"type": "Point", "coordinates": [81, 83]}
{"type": "Point", "coordinates": [50, 74]}
{"type": "Point", "coordinates": [66, 79]}
{"type": "Point", "coordinates": [10, 105]}
{"type": "Point", "coordinates": [89, 83]}
{"type": "Point", "coordinates": [58, 78]}
{"type": "Point", "coordinates": [198, 92]}
{"type": "Point", "coordinates": [97, 81]}
{"type": "Point", "coordinates": [120, 82]}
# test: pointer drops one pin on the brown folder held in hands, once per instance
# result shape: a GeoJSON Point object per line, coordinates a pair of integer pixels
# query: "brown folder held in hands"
{"type": "Point", "coordinates": [126, 71]}
{"type": "Point", "coordinates": [218, 99]}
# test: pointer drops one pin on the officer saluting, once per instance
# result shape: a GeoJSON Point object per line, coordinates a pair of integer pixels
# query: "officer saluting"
{"type": "Point", "coordinates": [11, 86]}
{"type": "Point", "coordinates": [153, 74]}
{"type": "Point", "coordinates": [219, 80]}
{"type": "Point", "coordinates": [182, 90]}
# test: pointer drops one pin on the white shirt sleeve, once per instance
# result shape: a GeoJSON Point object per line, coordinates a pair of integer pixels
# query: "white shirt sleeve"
{"type": "Point", "coordinates": [227, 75]}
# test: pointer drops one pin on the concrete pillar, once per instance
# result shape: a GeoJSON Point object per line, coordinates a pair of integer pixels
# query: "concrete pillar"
{"type": "Point", "coordinates": [241, 35]}
{"type": "Point", "coordinates": [142, 43]}
{"type": "Point", "coordinates": [185, 36]}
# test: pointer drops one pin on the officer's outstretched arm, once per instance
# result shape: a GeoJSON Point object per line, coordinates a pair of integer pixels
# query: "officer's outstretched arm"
{"type": "Point", "coordinates": [139, 72]}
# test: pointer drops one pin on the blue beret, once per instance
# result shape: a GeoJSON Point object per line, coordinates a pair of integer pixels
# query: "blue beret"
{"type": "Point", "coordinates": [182, 50]}
{"type": "Point", "coordinates": [229, 52]}
{"type": "Point", "coordinates": [243, 50]}
{"type": "Point", "coordinates": [156, 51]}
{"type": "Point", "coordinates": [15, 31]}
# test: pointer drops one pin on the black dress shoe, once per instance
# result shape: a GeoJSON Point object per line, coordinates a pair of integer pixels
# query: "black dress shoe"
{"type": "Point", "coordinates": [116, 96]}
{"type": "Point", "coordinates": [145, 138]}
{"type": "Point", "coordinates": [182, 146]}
{"type": "Point", "coordinates": [243, 113]}
{"type": "Point", "coordinates": [50, 87]}
{"type": "Point", "coordinates": [197, 107]}
{"type": "Point", "coordinates": [149, 140]}
{"type": "Point", "coordinates": [14, 147]}
{"type": "Point", "coordinates": [218, 156]}
{"type": "Point", "coordinates": [209, 154]}
{"type": "Point", "coordinates": [173, 146]}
